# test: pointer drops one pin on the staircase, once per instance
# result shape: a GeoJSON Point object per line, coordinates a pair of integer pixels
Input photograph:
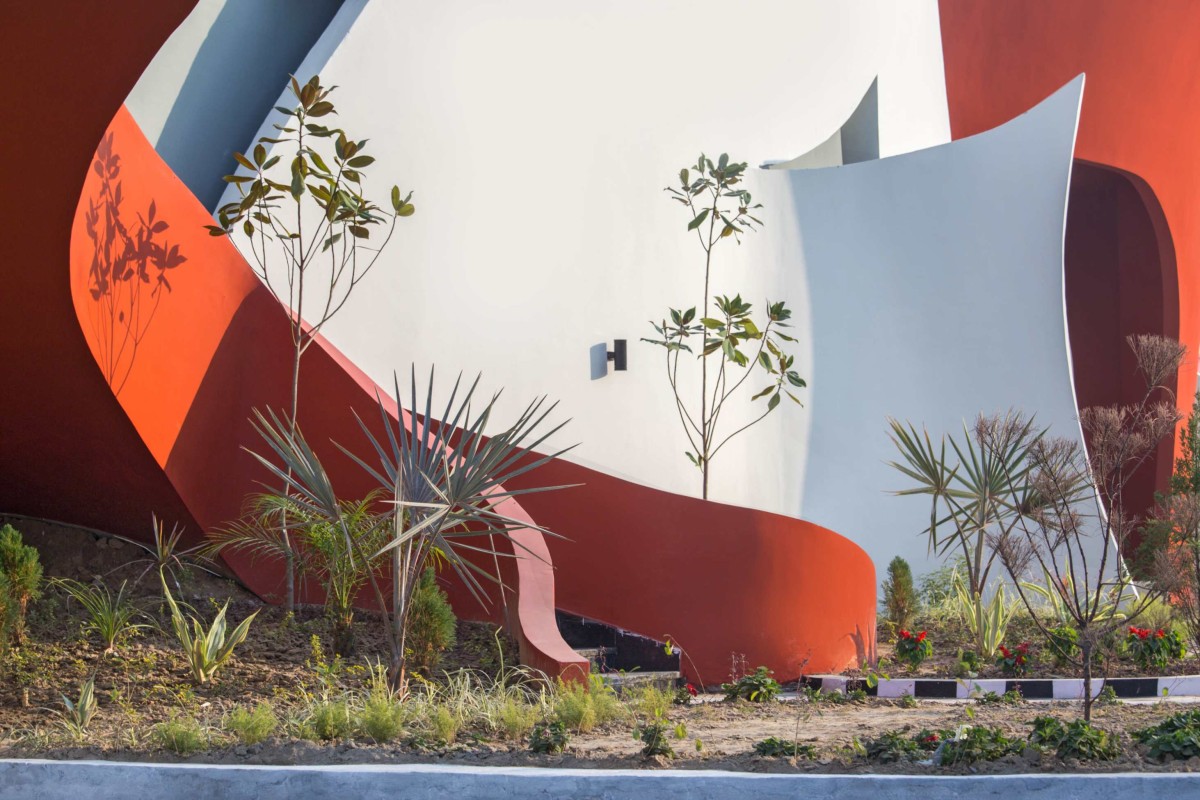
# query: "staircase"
{"type": "Point", "coordinates": [622, 659]}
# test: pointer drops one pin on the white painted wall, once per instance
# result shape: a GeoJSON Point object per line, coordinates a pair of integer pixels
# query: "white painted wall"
{"type": "Point", "coordinates": [538, 136]}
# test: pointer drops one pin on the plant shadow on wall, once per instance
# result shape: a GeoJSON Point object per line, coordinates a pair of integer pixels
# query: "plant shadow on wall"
{"type": "Point", "coordinates": [720, 209]}
{"type": "Point", "coordinates": [127, 278]}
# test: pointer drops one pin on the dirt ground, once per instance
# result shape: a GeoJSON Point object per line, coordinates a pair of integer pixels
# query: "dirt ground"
{"type": "Point", "coordinates": [147, 682]}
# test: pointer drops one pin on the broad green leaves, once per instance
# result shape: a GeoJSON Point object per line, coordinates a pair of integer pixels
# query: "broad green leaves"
{"type": "Point", "coordinates": [736, 344]}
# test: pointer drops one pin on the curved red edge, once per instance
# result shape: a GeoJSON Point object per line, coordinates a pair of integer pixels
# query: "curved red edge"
{"type": "Point", "coordinates": [190, 342]}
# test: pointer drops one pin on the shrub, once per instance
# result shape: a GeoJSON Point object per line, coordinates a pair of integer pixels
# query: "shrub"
{"type": "Point", "coordinates": [892, 746]}
{"type": "Point", "coordinates": [583, 707]}
{"type": "Point", "coordinates": [515, 717]}
{"type": "Point", "coordinates": [444, 724]}
{"type": "Point", "coordinates": [684, 695]}
{"type": "Point", "coordinates": [652, 701]}
{"type": "Point", "coordinates": [913, 649]}
{"type": "Point", "coordinates": [109, 616]}
{"type": "Point", "coordinates": [654, 737]}
{"type": "Point", "coordinates": [252, 727]}
{"type": "Point", "coordinates": [182, 735]}
{"type": "Point", "coordinates": [775, 748]}
{"type": "Point", "coordinates": [899, 595]}
{"type": "Point", "coordinates": [328, 720]}
{"type": "Point", "coordinates": [929, 740]}
{"type": "Point", "coordinates": [22, 577]}
{"type": "Point", "coordinates": [381, 719]}
{"type": "Point", "coordinates": [1064, 645]}
{"type": "Point", "coordinates": [1177, 736]}
{"type": "Point", "coordinates": [1013, 663]}
{"type": "Point", "coordinates": [968, 664]}
{"type": "Point", "coordinates": [550, 737]}
{"type": "Point", "coordinates": [758, 687]}
{"type": "Point", "coordinates": [1010, 698]}
{"type": "Point", "coordinates": [430, 624]}
{"type": "Point", "coordinates": [1154, 649]}
{"type": "Point", "coordinates": [979, 743]}
{"type": "Point", "coordinates": [1077, 739]}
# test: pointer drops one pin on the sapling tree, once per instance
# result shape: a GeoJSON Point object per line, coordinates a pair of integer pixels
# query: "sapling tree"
{"type": "Point", "coordinates": [730, 335]}
{"type": "Point", "coordinates": [309, 233]}
{"type": "Point", "coordinates": [1072, 523]}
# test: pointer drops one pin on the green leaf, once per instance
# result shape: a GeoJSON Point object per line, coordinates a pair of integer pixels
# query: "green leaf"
{"type": "Point", "coordinates": [764, 392]}
{"type": "Point", "coordinates": [260, 154]}
{"type": "Point", "coordinates": [765, 360]}
{"type": "Point", "coordinates": [245, 162]}
{"type": "Point", "coordinates": [360, 232]}
{"type": "Point", "coordinates": [774, 401]}
{"type": "Point", "coordinates": [358, 162]}
{"type": "Point", "coordinates": [698, 221]}
{"type": "Point", "coordinates": [406, 210]}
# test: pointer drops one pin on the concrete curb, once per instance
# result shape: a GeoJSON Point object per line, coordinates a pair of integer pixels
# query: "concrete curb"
{"type": "Point", "coordinates": [1030, 688]}
{"type": "Point", "coordinates": [98, 780]}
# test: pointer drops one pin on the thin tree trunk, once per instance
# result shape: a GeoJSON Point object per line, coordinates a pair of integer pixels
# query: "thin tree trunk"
{"type": "Point", "coordinates": [1087, 679]}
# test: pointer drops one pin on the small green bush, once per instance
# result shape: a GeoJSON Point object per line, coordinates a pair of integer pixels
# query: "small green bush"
{"type": "Point", "coordinates": [444, 724]}
{"type": "Point", "coordinates": [1077, 739]}
{"type": "Point", "coordinates": [583, 707]}
{"type": "Point", "coordinates": [328, 720]}
{"type": "Point", "coordinates": [430, 624]}
{"type": "Point", "coordinates": [549, 738]}
{"type": "Point", "coordinates": [651, 701]}
{"type": "Point", "coordinates": [979, 743]}
{"type": "Point", "coordinates": [182, 735]}
{"type": "Point", "coordinates": [22, 582]}
{"type": "Point", "coordinates": [110, 617]}
{"type": "Point", "coordinates": [892, 746]}
{"type": "Point", "coordinates": [1177, 736]}
{"type": "Point", "coordinates": [1154, 649]}
{"type": "Point", "coordinates": [900, 601]}
{"type": "Point", "coordinates": [252, 726]}
{"type": "Point", "coordinates": [1064, 645]}
{"type": "Point", "coordinates": [758, 687]}
{"type": "Point", "coordinates": [515, 717]}
{"type": "Point", "coordinates": [655, 738]}
{"type": "Point", "coordinates": [1010, 698]}
{"type": "Point", "coordinates": [776, 748]}
{"type": "Point", "coordinates": [381, 718]}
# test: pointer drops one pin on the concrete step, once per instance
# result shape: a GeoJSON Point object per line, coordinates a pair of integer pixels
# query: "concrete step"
{"type": "Point", "coordinates": [595, 654]}
{"type": "Point", "coordinates": [620, 681]}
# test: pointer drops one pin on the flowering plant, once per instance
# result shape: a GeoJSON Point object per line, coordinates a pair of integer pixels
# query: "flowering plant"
{"type": "Point", "coordinates": [913, 648]}
{"type": "Point", "coordinates": [1013, 662]}
{"type": "Point", "coordinates": [685, 694]}
{"type": "Point", "coordinates": [1154, 649]}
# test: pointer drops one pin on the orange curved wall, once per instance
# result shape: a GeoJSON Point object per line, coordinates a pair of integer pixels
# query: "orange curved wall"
{"type": "Point", "coordinates": [67, 450]}
{"type": "Point", "coordinates": [722, 580]}
{"type": "Point", "coordinates": [1140, 116]}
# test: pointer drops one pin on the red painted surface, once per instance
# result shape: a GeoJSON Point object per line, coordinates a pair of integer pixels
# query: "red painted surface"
{"type": "Point", "coordinates": [67, 451]}
{"type": "Point", "coordinates": [720, 579]}
{"type": "Point", "coordinates": [217, 346]}
{"type": "Point", "coordinates": [1141, 117]}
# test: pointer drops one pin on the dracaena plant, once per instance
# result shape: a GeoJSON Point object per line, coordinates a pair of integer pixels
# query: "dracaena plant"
{"type": "Point", "coordinates": [443, 478]}
{"type": "Point", "coordinates": [310, 231]}
{"type": "Point", "coordinates": [729, 342]}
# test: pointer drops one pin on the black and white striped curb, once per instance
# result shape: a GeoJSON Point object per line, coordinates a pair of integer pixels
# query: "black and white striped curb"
{"type": "Point", "coordinates": [1030, 688]}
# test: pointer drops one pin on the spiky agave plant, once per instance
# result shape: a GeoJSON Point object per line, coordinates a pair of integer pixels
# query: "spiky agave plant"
{"type": "Point", "coordinates": [444, 479]}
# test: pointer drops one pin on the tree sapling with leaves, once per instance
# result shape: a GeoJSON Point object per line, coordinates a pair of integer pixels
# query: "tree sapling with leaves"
{"type": "Point", "coordinates": [318, 225]}
{"type": "Point", "coordinates": [719, 210]}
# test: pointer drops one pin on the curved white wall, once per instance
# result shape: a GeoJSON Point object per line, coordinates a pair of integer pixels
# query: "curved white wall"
{"type": "Point", "coordinates": [538, 136]}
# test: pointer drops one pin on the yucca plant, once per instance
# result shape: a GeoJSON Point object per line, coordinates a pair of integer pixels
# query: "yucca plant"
{"type": "Point", "coordinates": [976, 493]}
{"type": "Point", "coordinates": [109, 616]}
{"type": "Point", "coordinates": [77, 715]}
{"type": "Point", "coordinates": [207, 650]}
{"type": "Point", "coordinates": [446, 498]}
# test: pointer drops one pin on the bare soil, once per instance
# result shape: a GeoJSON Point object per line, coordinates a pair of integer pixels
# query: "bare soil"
{"type": "Point", "coordinates": [147, 682]}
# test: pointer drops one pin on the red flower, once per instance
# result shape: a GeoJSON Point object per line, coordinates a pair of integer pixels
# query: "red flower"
{"type": "Point", "coordinates": [1133, 631]}
{"type": "Point", "coordinates": [1004, 650]}
{"type": "Point", "coordinates": [930, 739]}
{"type": "Point", "coordinates": [691, 690]}
{"type": "Point", "coordinates": [921, 636]}
{"type": "Point", "coordinates": [1160, 633]}
{"type": "Point", "coordinates": [1023, 647]}
{"type": "Point", "coordinates": [1142, 634]}
{"type": "Point", "coordinates": [904, 634]}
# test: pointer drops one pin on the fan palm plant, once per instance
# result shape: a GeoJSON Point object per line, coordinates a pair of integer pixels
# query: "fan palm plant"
{"type": "Point", "coordinates": [444, 480]}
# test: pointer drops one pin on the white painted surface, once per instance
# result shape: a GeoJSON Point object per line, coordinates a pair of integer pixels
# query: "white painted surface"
{"type": "Point", "coordinates": [538, 136]}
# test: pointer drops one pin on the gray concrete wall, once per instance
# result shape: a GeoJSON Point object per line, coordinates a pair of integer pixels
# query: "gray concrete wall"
{"type": "Point", "coordinates": [65, 780]}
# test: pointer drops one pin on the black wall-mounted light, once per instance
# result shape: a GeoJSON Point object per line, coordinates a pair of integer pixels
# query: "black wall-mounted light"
{"type": "Point", "coordinates": [617, 355]}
